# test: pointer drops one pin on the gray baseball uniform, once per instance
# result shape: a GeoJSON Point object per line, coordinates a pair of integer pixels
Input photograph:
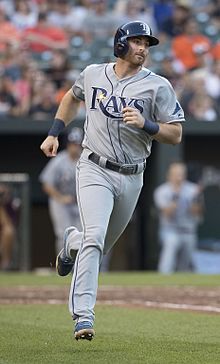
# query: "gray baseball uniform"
{"type": "Point", "coordinates": [107, 198]}
{"type": "Point", "coordinates": [60, 172]}
{"type": "Point", "coordinates": [179, 232]}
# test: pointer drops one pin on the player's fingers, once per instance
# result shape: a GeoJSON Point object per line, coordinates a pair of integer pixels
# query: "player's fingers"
{"type": "Point", "coordinates": [48, 153]}
{"type": "Point", "coordinates": [44, 149]}
{"type": "Point", "coordinates": [128, 114]}
{"type": "Point", "coordinates": [130, 122]}
{"type": "Point", "coordinates": [47, 149]}
{"type": "Point", "coordinates": [128, 118]}
{"type": "Point", "coordinates": [54, 150]}
{"type": "Point", "coordinates": [127, 109]}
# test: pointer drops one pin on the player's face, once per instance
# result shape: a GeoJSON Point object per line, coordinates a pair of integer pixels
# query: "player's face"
{"type": "Point", "coordinates": [138, 50]}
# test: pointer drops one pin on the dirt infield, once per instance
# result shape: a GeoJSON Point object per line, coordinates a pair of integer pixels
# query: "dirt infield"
{"type": "Point", "coordinates": [177, 298]}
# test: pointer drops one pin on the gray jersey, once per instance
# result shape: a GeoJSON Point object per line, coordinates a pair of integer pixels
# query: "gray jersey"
{"type": "Point", "coordinates": [183, 219]}
{"type": "Point", "coordinates": [105, 96]}
{"type": "Point", "coordinates": [60, 173]}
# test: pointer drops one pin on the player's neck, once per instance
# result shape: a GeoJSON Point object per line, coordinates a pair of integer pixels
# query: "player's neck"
{"type": "Point", "coordinates": [124, 69]}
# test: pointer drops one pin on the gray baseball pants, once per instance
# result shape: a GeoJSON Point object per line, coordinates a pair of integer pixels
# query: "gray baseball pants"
{"type": "Point", "coordinates": [106, 200]}
{"type": "Point", "coordinates": [62, 216]}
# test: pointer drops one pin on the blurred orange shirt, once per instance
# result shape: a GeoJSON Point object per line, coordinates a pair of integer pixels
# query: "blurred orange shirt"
{"type": "Point", "coordinates": [59, 95]}
{"type": "Point", "coordinates": [216, 51]}
{"type": "Point", "coordinates": [45, 35]}
{"type": "Point", "coordinates": [185, 49]}
{"type": "Point", "coordinates": [9, 34]}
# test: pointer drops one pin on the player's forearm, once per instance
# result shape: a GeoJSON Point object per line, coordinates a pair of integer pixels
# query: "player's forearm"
{"type": "Point", "coordinates": [169, 210]}
{"type": "Point", "coordinates": [68, 108]}
{"type": "Point", "coordinates": [169, 133]}
{"type": "Point", "coordinates": [196, 209]}
{"type": "Point", "coordinates": [51, 191]}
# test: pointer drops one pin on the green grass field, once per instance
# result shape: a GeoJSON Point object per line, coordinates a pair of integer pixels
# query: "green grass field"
{"type": "Point", "coordinates": [114, 278]}
{"type": "Point", "coordinates": [42, 334]}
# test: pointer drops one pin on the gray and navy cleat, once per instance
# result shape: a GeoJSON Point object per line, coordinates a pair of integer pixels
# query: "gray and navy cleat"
{"type": "Point", "coordinates": [64, 264]}
{"type": "Point", "coordinates": [84, 330]}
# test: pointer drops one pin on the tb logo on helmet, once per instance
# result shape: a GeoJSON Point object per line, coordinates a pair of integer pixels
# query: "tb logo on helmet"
{"type": "Point", "coordinates": [146, 28]}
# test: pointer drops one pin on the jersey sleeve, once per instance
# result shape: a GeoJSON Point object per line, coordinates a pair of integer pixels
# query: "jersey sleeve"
{"type": "Point", "coordinates": [167, 107]}
{"type": "Point", "coordinates": [78, 87]}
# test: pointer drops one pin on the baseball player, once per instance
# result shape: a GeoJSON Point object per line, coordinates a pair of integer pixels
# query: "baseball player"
{"type": "Point", "coordinates": [58, 180]}
{"type": "Point", "coordinates": [180, 207]}
{"type": "Point", "coordinates": [128, 107]}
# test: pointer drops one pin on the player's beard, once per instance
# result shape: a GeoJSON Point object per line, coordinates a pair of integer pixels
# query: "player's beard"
{"type": "Point", "coordinates": [140, 59]}
{"type": "Point", "coordinates": [136, 59]}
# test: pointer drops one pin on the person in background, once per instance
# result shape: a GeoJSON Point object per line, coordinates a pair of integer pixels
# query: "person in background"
{"type": "Point", "coordinates": [45, 37]}
{"type": "Point", "coordinates": [190, 45]}
{"type": "Point", "coordinates": [58, 180]}
{"type": "Point", "coordinates": [45, 106]}
{"type": "Point", "coordinates": [8, 220]}
{"type": "Point", "coordinates": [180, 207]}
{"type": "Point", "coordinates": [8, 103]}
{"type": "Point", "coordinates": [174, 24]}
{"type": "Point", "coordinates": [131, 10]}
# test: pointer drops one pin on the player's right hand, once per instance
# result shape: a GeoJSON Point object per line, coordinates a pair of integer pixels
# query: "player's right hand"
{"type": "Point", "coordinates": [50, 146]}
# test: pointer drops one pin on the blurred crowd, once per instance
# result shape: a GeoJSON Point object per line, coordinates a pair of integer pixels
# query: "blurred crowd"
{"type": "Point", "coordinates": [44, 44]}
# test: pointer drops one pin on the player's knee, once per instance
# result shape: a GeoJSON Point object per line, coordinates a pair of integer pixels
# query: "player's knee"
{"type": "Point", "coordinates": [95, 237]}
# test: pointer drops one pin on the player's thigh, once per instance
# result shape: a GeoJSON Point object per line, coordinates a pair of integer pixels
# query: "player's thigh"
{"type": "Point", "coordinates": [124, 207]}
{"type": "Point", "coordinates": [95, 201]}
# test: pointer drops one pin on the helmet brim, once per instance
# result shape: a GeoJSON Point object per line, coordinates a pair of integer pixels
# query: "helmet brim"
{"type": "Point", "coordinates": [152, 40]}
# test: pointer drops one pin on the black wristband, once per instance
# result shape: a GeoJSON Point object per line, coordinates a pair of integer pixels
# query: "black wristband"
{"type": "Point", "coordinates": [57, 127]}
{"type": "Point", "coordinates": [151, 127]}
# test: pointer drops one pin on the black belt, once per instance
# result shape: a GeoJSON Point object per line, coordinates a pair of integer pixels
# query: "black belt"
{"type": "Point", "coordinates": [120, 168]}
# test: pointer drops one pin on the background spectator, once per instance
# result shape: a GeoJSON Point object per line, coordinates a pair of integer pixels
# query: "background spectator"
{"type": "Point", "coordinates": [45, 37]}
{"type": "Point", "coordinates": [100, 22]}
{"type": "Point", "coordinates": [135, 10]}
{"type": "Point", "coordinates": [25, 14]}
{"type": "Point", "coordinates": [8, 103]}
{"type": "Point", "coordinates": [46, 105]}
{"type": "Point", "coordinates": [174, 24]}
{"type": "Point", "coordinates": [162, 11]}
{"type": "Point", "coordinates": [9, 33]}
{"type": "Point", "coordinates": [43, 41]}
{"type": "Point", "coordinates": [188, 46]}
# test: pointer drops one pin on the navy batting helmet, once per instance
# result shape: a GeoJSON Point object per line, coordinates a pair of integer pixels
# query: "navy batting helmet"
{"type": "Point", "coordinates": [129, 30]}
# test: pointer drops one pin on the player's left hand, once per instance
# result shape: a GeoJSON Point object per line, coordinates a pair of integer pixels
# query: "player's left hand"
{"type": "Point", "coordinates": [133, 117]}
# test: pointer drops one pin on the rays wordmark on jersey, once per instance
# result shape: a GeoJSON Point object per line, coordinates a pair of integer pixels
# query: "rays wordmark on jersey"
{"type": "Point", "coordinates": [111, 105]}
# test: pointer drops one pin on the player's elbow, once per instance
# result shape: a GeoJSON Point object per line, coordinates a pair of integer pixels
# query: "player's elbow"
{"type": "Point", "coordinates": [177, 139]}
{"type": "Point", "coordinates": [177, 135]}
